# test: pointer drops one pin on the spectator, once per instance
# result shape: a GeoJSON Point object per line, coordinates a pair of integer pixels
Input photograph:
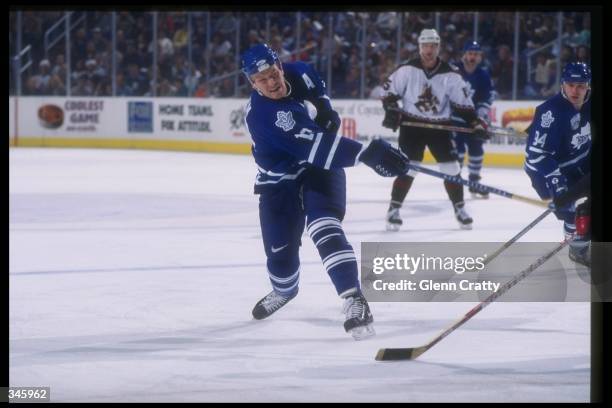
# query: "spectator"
{"type": "Point", "coordinates": [584, 37]}
{"type": "Point", "coordinates": [83, 87]}
{"type": "Point", "coordinates": [227, 88]}
{"type": "Point", "coordinates": [378, 92]}
{"type": "Point", "coordinates": [502, 72]}
{"type": "Point", "coordinates": [40, 83]}
{"type": "Point", "coordinates": [583, 54]}
{"type": "Point", "coordinates": [277, 45]}
{"type": "Point", "coordinates": [136, 83]}
{"type": "Point", "coordinates": [552, 86]}
{"type": "Point", "coordinates": [181, 37]}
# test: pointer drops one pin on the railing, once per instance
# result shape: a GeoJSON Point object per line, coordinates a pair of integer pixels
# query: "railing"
{"type": "Point", "coordinates": [551, 44]}
{"type": "Point", "coordinates": [59, 27]}
{"type": "Point", "coordinates": [20, 67]}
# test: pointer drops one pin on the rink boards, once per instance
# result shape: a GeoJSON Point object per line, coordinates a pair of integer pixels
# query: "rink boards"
{"type": "Point", "coordinates": [210, 124]}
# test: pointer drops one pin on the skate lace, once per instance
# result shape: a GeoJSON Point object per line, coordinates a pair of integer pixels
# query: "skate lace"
{"type": "Point", "coordinates": [273, 301]}
{"type": "Point", "coordinates": [353, 307]}
{"type": "Point", "coordinates": [461, 213]}
{"type": "Point", "coordinates": [393, 214]}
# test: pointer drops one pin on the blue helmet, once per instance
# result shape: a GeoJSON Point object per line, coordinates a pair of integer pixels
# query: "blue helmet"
{"type": "Point", "coordinates": [576, 72]}
{"type": "Point", "coordinates": [258, 58]}
{"type": "Point", "coordinates": [472, 46]}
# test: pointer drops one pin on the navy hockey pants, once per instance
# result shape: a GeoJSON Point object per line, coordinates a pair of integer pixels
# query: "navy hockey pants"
{"type": "Point", "coordinates": [318, 201]}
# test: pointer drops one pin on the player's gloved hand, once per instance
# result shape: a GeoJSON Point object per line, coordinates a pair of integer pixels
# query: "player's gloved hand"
{"type": "Point", "coordinates": [328, 120]}
{"type": "Point", "coordinates": [557, 185]}
{"type": "Point", "coordinates": [483, 113]}
{"type": "Point", "coordinates": [393, 118]}
{"type": "Point", "coordinates": [480, 127]}
{"type": "Point", "coordinates": [385, 159]}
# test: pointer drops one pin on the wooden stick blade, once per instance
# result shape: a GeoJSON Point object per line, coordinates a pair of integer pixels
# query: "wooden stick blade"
{"type": "Point", "coordinates": [395, 354]}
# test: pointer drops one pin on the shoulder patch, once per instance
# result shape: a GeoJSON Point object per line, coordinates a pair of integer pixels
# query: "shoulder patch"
{"type": "Point", "coordinates": [547, 119]}
{"type": "Point", "coordinates": [284, 120]}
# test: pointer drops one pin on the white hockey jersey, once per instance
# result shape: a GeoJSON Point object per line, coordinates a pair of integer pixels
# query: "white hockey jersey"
{"type": "Point", "coordinates": [430, 96]}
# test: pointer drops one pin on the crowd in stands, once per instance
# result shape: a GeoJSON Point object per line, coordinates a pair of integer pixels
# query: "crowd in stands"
{"type": "Point", "coordinates": [208, 65]}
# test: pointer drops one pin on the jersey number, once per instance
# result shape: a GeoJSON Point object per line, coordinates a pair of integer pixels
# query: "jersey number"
{"type": "Point", "coordinates": [307, 134]}
{"type": "Point", "coordinates": [308, 81]}
{"type": "Point", "coordinates": [539, 140]}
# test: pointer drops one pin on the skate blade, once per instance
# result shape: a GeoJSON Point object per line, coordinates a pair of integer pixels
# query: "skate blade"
{"type": "Point", "coordinates": [479, 197]}
{"type": "Point", "coordinates": [465, 226]}
{"type": "Point", "coordinates": [393, 227]}
{"type": "Point", "coordinates": [363, 332]}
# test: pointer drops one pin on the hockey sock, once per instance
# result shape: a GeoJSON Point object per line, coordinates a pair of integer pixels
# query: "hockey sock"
{"type": "Point", "coordinates": [284, 275]}
{"type": "Point", "coordinates": [476, 154]}
{"type": "Point", "coordinates": [454, 191]}
{"type": "Point", "coordinates": [336, 253]}
{"type": "Point", "coordinates": [401, 186]}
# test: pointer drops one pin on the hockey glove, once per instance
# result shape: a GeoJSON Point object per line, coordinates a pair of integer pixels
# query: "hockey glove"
{"type": "Point", "coordinates": [328, 120]}
{"type": "Point", "coordinates": [480, 127]}
{"type": "Point", "coordinates": [385, 159]}
{"type": "Point", "coordinates": [557, 185]}
{"type": "Point", "coordinates": [393, 118]}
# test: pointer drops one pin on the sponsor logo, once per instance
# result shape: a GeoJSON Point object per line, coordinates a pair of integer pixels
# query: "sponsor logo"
{"type": "Point", "coordinates": [140, 117]}
{"type": "Point", "coordinates": [547, 119]}
{"type": "Point", "coordinates": [284, 120]}
{"type": "Point", "coordinates": [237, 119]}
{"type": "Point", "coordinates": [349, 128]}
{"type": "Point", "coordinates": [50, 116]}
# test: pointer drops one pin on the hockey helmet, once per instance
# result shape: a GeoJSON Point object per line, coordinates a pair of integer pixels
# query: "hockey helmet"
{"type": "Point", "coordinates": [258, 58]}
{"type": "Point", "coordinates": [472, 46]}
{"type": "Point", "coordinates": [576, 72]}
{"type": "Point", "coordinates": [429, 35]}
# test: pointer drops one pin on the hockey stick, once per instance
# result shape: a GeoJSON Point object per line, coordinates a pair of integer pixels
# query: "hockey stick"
{"type": "Point", "coordinates": [478, 186]}
{"type": "Point", "coordinates": [493, 130]}
{"type": "Point", "coordinates": [517, 236]}
{"type": "Point", "coordinates": [387, 354]}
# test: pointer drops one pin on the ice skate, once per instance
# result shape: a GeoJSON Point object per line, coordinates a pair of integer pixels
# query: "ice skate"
{"type": "Point", "coordinates": [359, 320]}
{"type": "Point", "coordinates": [464, 219]}
{"type": "Point", "coordinates": [394, 222]}
{"type": "Point", "coordinates": [580, 254]}
{"type": "Point", "coordinates": [478, 194]}
{"type": "Point", "coordinates": [270, 304]}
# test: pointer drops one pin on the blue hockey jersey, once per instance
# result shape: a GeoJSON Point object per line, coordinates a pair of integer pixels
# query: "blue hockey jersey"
{"type": "Point", "coordinates": [481, 88]}
{"type": "Point", "coordinates": [559, 143]}
{"type": "Point", "coordinates": [286, 140]}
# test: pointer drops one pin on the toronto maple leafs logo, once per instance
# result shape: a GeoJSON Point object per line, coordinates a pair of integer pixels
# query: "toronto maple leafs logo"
{"type": "Point", "coordinates": [581, 138]}
{"type": "Point", "coordinates": [547, 119]}
{"type": "Point", "coordinates": [284, 120]}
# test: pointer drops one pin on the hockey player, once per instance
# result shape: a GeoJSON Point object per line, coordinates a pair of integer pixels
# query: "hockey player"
{"type": "Point", "coordinates": [430, 89]}
{"type": "Point", "coordinates": [558, 149]}
{"type": "Point", "coordinates": [483, 95]}
{"type": "Point", "coordinates": [301, 181]}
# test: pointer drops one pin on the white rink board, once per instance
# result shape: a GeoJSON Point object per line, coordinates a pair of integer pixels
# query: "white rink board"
{"type": "Point", "coordinates": [193, 119]}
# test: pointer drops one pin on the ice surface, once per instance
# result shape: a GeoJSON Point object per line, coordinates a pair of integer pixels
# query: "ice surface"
{"type": "Point", "coordinates": [133, 275]}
